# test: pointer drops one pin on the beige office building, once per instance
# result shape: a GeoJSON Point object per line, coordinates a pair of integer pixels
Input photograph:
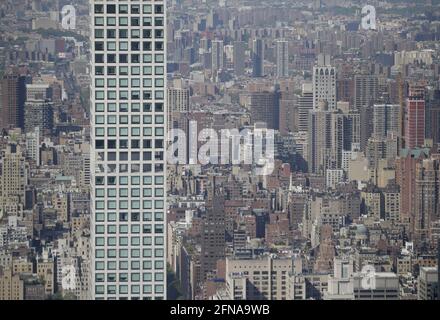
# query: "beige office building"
{"type": "Point", "coordinates": [264, 278]}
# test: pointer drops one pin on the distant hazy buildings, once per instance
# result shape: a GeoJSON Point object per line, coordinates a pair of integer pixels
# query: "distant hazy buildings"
{"type": "Point", "coordinates": [258, 58]}
{"type": "Point", "coordinates": [407, 57]}
{"type": "Point", "coordinates": [217, 56]}
{"type": "Point", "coordinates": [282, 48]}
{"type": "Point", "coordinates": [239, 58]}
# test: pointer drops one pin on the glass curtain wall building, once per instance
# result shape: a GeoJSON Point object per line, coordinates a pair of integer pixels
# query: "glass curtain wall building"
{"type": "Point", "coordinates": [128, 133]}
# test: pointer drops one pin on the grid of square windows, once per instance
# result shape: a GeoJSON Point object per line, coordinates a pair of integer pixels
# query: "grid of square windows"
{"type": "Point", "coordinates": [128, 121]}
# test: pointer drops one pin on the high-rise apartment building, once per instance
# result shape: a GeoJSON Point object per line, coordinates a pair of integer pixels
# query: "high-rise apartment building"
{"type": "Point", "coordinates": [365, 90]}
{"type": "Point", "coordinates": [239, 58]}
{"type": "Point", "coordinates": [264, 107]}
{"type": "Point", "coordinates": [13, 181]}
{"type": "Point", "coordinates": [217, 55]}
{"type": "Point", "coordinates": [305, 104]}
{"type": "Point", "coordinates": [386, 120]}
{"type": "Point", "coordinates": [406, 179]}
{"type": "Point", "coordinates": [213, 235]}
{"type": "Point", "coordinates": [415, 122]}
{"type": "Point", "coordinates": [128, 133]}
{"type": "Point", "coordinates": [325, 140]}
{"type": "Point", "coordinates": [258, 58]}
{"type": "Point", "coordinates": [391, 199]}
{"type": "Point", "coordinates": [352, 130]}
{"type": "Point", "coordinates": [324, 83]}
{"type": "Point", "coordinates": [282, 47]}
{"type": "Point", "coordinates": [427, 198]}
{"type": "Point", "coordinates": [33, 145]}
{"type": "Point", "coordinates": [178, 104]}
{"type": "Point", "coordinates": [12, 98]}
{"type": "Point", "coordinates": [38, 108]}
{"type": "Point", "coordinates": [365, 95]}
{"type": "Point", "coordinates": [38, 114]}
{"type": "Point", "coordinates": [432, 114]}
{"type": "Point", "coordinates": [288, 114]}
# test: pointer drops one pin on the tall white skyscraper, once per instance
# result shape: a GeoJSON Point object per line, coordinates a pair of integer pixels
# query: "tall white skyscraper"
{"type": "Point", "coordinates": [324, 83]}
{"type": "Point", "coordinates": [128, 133]}
{"type": "Point", "coordinates": [282, 47]}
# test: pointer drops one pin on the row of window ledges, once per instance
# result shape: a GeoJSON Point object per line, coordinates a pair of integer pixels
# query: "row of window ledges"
{"type": "Point", "coordinates": [135, 83]}
{"type": "Point", "coordinates": [134, 216]}
{"type": "Point", "coordinates": [111, 238]}
{"type": "Point", "coordinates": [135, 132]}
{"type": "Point", "coordinates": [112, 58]}
{"type": "Point", "coordinates": [134, 107]}
{"type": "Point", "coordinates": [146, 168]}
{"type": "Point", "coordinates": [134, 8]}
{"type": "Point", "coordinates": [135, 46]}
{"type": "Point", "coordinates": [123, 133]}
{"type": "Point", "coordinates": [134, 144]}
{"type": "Point", "coordinates": [135, 95]}
{"type": "Point", "coordinates": [135, 167]}
{"type": "Point", "coordinates": [124, 120]}
{"type": "Point", "coordinates": [123, 70]}
{"type": "Point", "coordinates": [134, 193]}
{"type": "Point", "coordinates": [124, 22]}
{"type": "Point", "coordinates": [123, 34]}
{"type": "Point", "coordinates": [123, 277]}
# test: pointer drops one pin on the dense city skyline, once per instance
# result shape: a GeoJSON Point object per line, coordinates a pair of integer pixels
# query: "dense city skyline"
{"type": "Point", "coordinates": [219, 150]}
